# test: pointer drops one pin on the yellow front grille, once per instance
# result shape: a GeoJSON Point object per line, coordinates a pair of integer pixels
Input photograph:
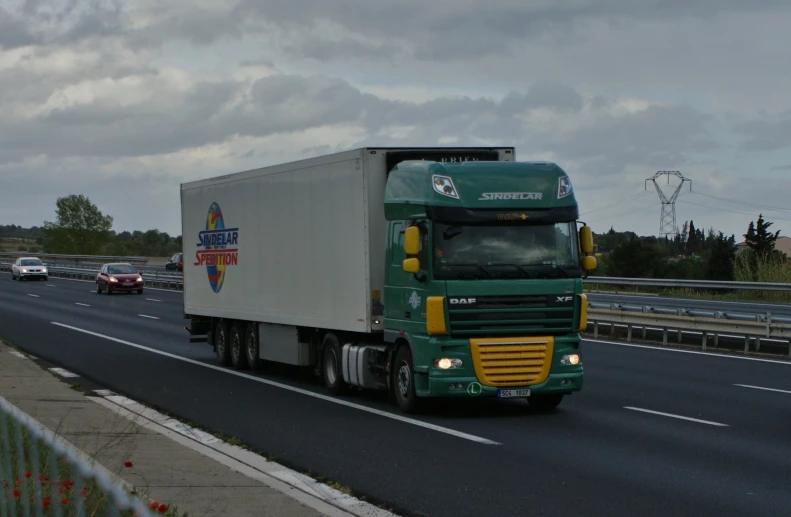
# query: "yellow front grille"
{"type": "Point", "coordinates": [512, 361]}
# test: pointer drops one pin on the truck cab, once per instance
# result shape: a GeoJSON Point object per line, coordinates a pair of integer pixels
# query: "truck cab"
{"type": "Point", "coordinates": [483, 285]}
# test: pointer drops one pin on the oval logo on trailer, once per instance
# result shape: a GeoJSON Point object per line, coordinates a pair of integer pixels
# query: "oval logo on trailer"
{"type": "Point", "coordinates": [219, 247]}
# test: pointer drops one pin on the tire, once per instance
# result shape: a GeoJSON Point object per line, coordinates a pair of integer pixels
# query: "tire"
{"type": "Point", "coordinates": [139, 291]}
{"type": "Point", "coordinates": [331, 370]}
{"type": "Point", "coordinates": [403, 384]}
{"type": "Point", "coordinates": [252, 348]}
{"type": "Point", "coordinates": [46, 278]}
{"type": "Point", "coordinates": [237, 346]}
{"type": "Point", "coordinates": [221, 341]}
{"type": "Point", "coordinates": [545, 402]}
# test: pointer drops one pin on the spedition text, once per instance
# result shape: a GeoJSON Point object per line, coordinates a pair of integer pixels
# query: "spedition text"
{"type": "Point", "coordinates": [229, 257]}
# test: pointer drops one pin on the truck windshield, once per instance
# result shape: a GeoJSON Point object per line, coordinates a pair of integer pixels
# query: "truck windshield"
{"type": "Point", "coordinates": [497, 251]}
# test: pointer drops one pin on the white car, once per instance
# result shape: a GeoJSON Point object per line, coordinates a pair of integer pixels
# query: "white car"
{"type": "Point", "coordinates": [28, 267]}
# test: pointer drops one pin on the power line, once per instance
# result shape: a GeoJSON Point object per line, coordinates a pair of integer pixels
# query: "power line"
{"type": "Point", "coordinates": [746, 203]}
{"type": "Point", "coordinates": [624, 201]}
{"type": "Point", "coordinates": [626, 213]}
{"type": "Point", "coordinates": [733, 211]}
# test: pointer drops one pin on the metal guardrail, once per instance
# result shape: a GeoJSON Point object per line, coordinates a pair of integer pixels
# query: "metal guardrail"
{"type": "Point", "coordinates": [694, 313]}
{"type": "Point", "coordinates": [750, 331]}
{"type": "Point", "coordinates": [77, 258]}
{"type": "Point", "coordinates": [682, 284]}
{"type": "Point", "coordinates": [40, 473]}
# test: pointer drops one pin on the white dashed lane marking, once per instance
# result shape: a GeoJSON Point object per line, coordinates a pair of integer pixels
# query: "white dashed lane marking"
{"type": "Point", "coordinates": [762, 388]}
{"type": "Point", "coordinates": [671, 415]}
{"type": "Point", "coordinates": [149, 317]}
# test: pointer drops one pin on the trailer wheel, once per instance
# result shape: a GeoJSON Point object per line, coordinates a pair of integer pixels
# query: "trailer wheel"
{"type": "Point", "coordinates": [221, 347]}
{"type": "Point", "coordinates": [252, 347]}
{"type": "Point", "coordinates": [331, 371]}
{"type": "Point", "coordinates": [403, 384]}
{"type": "Point", "coordinates": [238, 349]}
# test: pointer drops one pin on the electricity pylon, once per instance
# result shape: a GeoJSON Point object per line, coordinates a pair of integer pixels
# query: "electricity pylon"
{"type": "Point", "coordinates": [667, 221]}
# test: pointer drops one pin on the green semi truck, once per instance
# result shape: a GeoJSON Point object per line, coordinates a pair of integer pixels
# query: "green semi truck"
{"type": "Point", "coordinates": [427, 272]}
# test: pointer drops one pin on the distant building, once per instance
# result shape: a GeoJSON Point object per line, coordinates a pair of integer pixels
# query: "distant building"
{"type": "Point", "coordinates": [782, 244]}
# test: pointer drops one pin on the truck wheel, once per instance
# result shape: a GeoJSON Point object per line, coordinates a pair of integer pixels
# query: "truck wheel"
{"type": "Point", "coordinates": [404, 381]}
{"type": "Point", "coordinates": [545, 402]}
{"type": "Point", "coordinates": [221, 344]}
{"type": "Point", "coordinates": [331, 371]}
{"type": "Point", "coordinates": [252, 347]}
{"type": "Point", "coordinates": [238, 352]}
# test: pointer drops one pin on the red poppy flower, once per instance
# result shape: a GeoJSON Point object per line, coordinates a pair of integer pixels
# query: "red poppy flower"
{"type": "Point", "coordinates": [162, 508]}
{"type": "Point", "coordinates": [128, 464]}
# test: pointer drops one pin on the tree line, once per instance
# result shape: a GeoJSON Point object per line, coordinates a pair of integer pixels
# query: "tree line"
{"type": "Point", "coordinates": [694, 255]}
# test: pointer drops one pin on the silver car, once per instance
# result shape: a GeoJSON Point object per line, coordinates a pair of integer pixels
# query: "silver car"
{"type": "Point", "coordinates": [28, 267]}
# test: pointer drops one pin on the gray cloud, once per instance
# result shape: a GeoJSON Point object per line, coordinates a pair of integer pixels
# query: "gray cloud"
{"type": "Point", "coordinates": [767, 135]}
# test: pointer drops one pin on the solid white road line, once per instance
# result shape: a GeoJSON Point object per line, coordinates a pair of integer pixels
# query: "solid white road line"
{"type": "Point", "coordinates": [63, 373]}
{"type": "Point", "coordinates": [301, 391]}
{"type": "Point", "coordinates": [83, 304]}
{"type": "Point", "coordinates": [676, 416]}
{"type": "Point", "coordinates": [694, 352]}
{"type": "Point", "coordinates": [18, 354]}
{"type": "Point", "coordinates": [762, 388]}
{"type": "Point", "coordinates": [149, 317]}
{"type": "Point", "coordinates": [34, 295]}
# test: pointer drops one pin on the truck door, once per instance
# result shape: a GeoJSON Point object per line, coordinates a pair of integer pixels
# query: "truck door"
{"type": "Point", "coordinates": [405, 295]}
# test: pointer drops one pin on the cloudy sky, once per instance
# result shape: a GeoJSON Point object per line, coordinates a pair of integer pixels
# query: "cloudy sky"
{"type": "Point", "coordinates": [123, 100]}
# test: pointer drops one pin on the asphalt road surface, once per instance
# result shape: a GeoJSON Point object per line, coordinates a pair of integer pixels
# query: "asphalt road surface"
{"type": "Point", "coordinates": [654, 432]}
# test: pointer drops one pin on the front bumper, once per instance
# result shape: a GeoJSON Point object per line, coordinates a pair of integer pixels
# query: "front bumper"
{"type": "Point", "coordinates": [33, 274]}
{"type": "Point", "coordinates": [120, 287]}
{"type": "Point", "coordinates": [471, 381]}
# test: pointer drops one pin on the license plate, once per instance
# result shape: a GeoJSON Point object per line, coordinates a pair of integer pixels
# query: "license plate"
{"type": "Point", "coordinates": [128, 284]}
{"type": "Point", "coordinates": [509, 394]}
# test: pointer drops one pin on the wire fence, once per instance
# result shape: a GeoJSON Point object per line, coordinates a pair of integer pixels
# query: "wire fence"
{"type": "Point", "coordinates": [42, 475]}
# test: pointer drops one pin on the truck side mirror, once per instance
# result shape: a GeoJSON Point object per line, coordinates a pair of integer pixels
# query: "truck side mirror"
{"type": "Point", "coordinates": [586, 239]}
{"type": "Point", "coordinates": [412, 241]}
{"type": "Point", "coordinates": [588, 263]}
{"type": "Point", "coordinates": [411, 265]}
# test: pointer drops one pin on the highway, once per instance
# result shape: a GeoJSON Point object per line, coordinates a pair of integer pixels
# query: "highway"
{"type": "Point", "coordinates": [653, 433]}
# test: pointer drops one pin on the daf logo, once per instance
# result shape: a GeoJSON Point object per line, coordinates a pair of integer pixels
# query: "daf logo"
{"type": "Point", "coordinates": [462, 301]}
{"type": "Point", "coordinates": [562, 299]}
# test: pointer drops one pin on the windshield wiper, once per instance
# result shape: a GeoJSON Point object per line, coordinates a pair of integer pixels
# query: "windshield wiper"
{"type": "Point", "coordinates": [552, 265]}
{"type": "Point", "coordinates": [470, 265]}
{"type": "Point", "coordinates": [517, 266]}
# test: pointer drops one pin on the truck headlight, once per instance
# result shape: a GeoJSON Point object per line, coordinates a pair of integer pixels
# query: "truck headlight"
{"type": "Point", "coordinates": [446, 363]}
{"type": "Point", "coordinates": [571, 359]}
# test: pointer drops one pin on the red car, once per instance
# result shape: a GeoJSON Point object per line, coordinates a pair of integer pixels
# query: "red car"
{"type": "Point", "coordinates": [119, 277]}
